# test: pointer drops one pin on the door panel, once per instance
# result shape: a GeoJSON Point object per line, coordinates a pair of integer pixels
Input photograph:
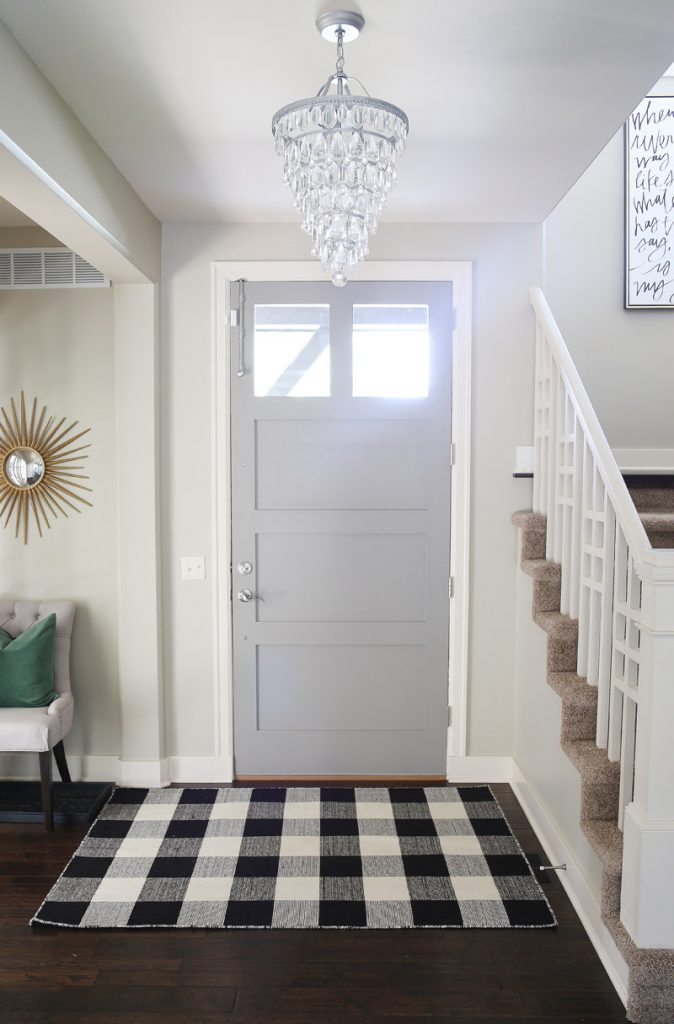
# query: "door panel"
{"type": "Point", "coordinates": [340, 482]}
{"type": "Point", "coordinates": [311, 577]}
{"type": "Point", "coordinates": [340, 688]}
{"type": "Point", "coordinates": [327, 464]}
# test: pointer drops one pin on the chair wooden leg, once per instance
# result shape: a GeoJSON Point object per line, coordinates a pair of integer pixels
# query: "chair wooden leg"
{"type": "Point", "coordinates": [45, 779]}
{"type": "Point", "coordinates": [61, 763]}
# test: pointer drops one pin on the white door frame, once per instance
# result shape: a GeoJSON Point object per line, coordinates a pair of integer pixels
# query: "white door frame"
{"type": "Point", "coordinates": [222, 275]}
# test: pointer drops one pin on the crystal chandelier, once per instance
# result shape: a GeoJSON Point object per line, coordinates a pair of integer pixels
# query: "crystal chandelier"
{"type": "Point", "coordinates": [339, 155]}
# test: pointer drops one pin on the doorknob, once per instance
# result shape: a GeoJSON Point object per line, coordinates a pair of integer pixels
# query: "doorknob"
{"type": "Point", "coordinates": [247, 595]}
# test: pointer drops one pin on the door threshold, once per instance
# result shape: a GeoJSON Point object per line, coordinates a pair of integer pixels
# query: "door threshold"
{"type": "Point", "coordinates": [346, 779]}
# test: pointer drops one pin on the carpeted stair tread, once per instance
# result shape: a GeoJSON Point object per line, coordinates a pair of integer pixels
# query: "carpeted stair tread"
{"type": "Point", "coordinates": [555, 622]}
{"type": "Point", "coordinates": [579, 706]}
{"type": "Point", "coordinates": [599, 780]}
{"type": "Point", "coordinates": [659, 527]}
{"type": "Point", "coordinates": [592, 763]}
{"type": "Point", "coordinates": [653, 499]}
{"type": "Point", "coordinates": [649, 997]}
{"type": "Point", "coordinates": [652, 494]}
{"type": "Point", "coordinates": [573, 688]}
{"type": "Point", "coordinates": [640, 960]}
{"type": "Point", "coordinates": [606, 840]}
{"type": "Point", "coordinates": [526, 519]}
{"type": "Point", "coordinates": [533, 527]}
{"type": "Point", "coordinates": [540, 568]}
{"type": "Point", "coordinates": [562, 639]}
{"type": "Point", "coordinates": [547, 577]}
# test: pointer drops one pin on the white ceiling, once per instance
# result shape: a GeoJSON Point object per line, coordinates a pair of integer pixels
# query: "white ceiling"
{"type": "Point", "coordinates": [508, 100]}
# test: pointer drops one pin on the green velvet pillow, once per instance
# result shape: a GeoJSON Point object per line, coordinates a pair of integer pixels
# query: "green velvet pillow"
{"type": "Point", "coordinates": [27, 666]}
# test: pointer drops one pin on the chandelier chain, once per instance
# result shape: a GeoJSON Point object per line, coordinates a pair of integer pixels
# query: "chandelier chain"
{"type": "Point", "coordinates": [340, 51]}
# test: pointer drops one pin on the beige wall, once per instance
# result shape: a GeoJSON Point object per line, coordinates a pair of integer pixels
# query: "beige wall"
{"type": "Point", "coordinates": [28, 237]}
{"type": "Point", "coordinates": [507, 262]}
{"type": "Point", "coordinates": [625, 357]}
{"type": "Point", "coordinates": [58, 345]}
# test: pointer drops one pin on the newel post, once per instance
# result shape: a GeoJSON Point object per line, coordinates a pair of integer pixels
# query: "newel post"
{"type": "Point", "coordinates": [647, 900]}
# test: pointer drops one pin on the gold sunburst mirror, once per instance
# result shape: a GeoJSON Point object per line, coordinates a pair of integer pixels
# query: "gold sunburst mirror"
{"type": "Point", "coordinates": [41, 467]}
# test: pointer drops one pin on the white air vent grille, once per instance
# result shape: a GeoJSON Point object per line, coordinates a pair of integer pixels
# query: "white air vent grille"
{"type": "Point", "coordinates": [47, 268]}
{"type": "Point", "coordinates": [85, 273]}
{"type": "Point", "coordinates": [27, 269]}
{"type": "Point", "coordinates": [58, 268]}
{"type": "Point", "coordinates": [5, 270]}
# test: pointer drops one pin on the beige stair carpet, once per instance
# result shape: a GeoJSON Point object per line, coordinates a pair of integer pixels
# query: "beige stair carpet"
{"type": "Point", "coordinates": [653, 498]}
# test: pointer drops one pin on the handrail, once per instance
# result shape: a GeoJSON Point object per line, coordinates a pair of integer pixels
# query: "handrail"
{"type": "Point", "coordinates": [595, 437]}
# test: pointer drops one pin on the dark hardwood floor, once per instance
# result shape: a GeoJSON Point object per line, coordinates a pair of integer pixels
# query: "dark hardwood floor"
{"type": "Point", "coordinates": [61, 976]}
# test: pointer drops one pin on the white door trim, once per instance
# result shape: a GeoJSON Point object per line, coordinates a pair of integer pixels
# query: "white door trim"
{"type": "Point", "coordinates": [222, 275]}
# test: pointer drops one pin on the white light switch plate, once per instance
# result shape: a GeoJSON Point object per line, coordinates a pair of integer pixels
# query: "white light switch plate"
{"type": "Point", "coordinates": [193, 567]}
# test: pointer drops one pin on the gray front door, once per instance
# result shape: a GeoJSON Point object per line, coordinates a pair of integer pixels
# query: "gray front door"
{"type": "Point", "coordinates": [340, 528]}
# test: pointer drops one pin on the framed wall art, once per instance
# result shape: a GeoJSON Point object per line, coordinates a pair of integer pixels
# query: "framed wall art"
{"type": "Point", "coordinates": [649, 205]}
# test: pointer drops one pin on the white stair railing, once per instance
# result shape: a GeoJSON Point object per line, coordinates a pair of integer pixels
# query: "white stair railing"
{"type": "Point", "coordinates": [621, 591]}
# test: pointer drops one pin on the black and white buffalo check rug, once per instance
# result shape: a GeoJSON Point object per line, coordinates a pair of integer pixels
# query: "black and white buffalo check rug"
{"type": "Point", "coordinates": [441, 857]}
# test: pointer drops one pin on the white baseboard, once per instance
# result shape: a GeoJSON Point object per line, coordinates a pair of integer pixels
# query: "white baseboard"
{"type": "Point", "coordinates": [84, 767]}
{"type": "Point", "coordinates": [110, 768]}
{"type": "Point", "coordinates": [94, 767]}
{"type": "Point", "coordinates": [645, 460]}
{"type": "Point", "coordinates": [583, 899]}
{"type": "Point", "coordinates": [175, 769]}
{"type": "Point", "coordinates": [200, 769]}
{"type": "Point", "coordinates": [480, 769]}
{"type": "Point", "coordinates": [103, 767]}
{"type": "Point", "coordinates": [143, 773]}
{"type": "Point", "coordinates": [89, 768]}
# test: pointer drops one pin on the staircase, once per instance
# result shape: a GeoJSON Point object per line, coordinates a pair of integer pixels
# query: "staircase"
{"type": "Point", "coordinates": [651, 988]}
{"type": "Point", "coordinates": [603, 593]}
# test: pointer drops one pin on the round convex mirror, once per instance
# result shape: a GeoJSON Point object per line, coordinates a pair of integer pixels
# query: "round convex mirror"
{"type": "Point", "coordinates": [24, 468]}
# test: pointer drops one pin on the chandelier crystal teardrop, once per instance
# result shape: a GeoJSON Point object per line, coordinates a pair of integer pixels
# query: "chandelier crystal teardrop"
{"type": "Point", "coordinates": [340, 152]}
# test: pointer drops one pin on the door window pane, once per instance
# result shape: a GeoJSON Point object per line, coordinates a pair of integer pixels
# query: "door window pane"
{"type": "Point", "coordinates": [390, 351]}
{"type": "Point", "coordinates": [291, 351]}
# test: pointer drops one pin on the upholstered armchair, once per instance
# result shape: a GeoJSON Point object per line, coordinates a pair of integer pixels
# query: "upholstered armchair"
{"type": "Point", "coordinates": [41, 730]}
